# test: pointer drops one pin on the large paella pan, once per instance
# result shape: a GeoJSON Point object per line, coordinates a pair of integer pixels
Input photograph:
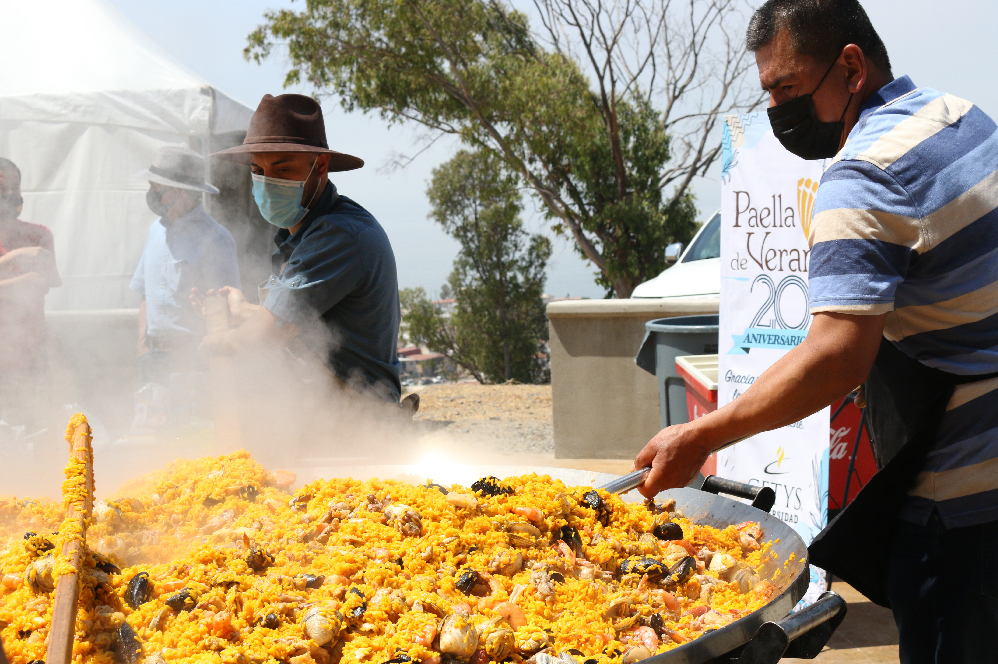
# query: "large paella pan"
{"type": "Point", "coordinates": [214, 561]}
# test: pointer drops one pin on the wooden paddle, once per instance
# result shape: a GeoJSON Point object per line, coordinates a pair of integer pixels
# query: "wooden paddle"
{"type": "Point", "coordinates": [67, 590]}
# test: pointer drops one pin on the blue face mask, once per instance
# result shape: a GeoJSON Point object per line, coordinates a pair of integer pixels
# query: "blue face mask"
{"type": "Point", "coordinates": [279, 200]}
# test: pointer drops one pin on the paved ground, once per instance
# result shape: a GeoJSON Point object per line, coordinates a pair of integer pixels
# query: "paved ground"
{"type": "Point", "coordinates": [511, 424]}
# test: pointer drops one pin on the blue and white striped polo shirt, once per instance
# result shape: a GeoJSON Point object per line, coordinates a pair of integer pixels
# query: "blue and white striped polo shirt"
{"type": "Point", "coordinates": [906, 223]}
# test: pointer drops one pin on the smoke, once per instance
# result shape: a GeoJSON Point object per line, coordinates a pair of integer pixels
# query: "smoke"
{"type": "Point", "coordinates": [284, 408]}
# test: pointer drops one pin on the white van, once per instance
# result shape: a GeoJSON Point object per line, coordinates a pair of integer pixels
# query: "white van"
{"type": "Point", "coordinates": [697, 270]}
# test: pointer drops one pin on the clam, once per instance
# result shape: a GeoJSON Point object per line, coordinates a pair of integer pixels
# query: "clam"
{"type": "Point", "coordinates": [155, 658]}
{"type": "Point", "coordinates": [458, 637]}
{"type": "Point", "coordinates": [636, 654]}
{"type": "Point", "coordinates": [617, 608]}
{"type": "Point", "coordinates": [532, 642]}
{"type": "Point", "coordinates": [38, 575]}
{"type": "Point", "coordinates": [464, 501]}
{"type": "Point", "coordinates": [745, 578]}
{"type": "Point", "coordinates": [523, 535]}
{"type": "Point", "coordinates": [106, 513]}
{"type": "Point", "coordinates": [405, 519]}
{"type": "Point", "coordinates": [498, 641]}
{"type": "Point", "coordinates": [541, 579]}
{"type": "Point", "coordinates": [506, 561]}
{"type": "Point", "coordinates": [544, 658]}
{"type": "Point", "coordinates": [321, 625]}
{"type": "Point", "coordinates": [721, 564]}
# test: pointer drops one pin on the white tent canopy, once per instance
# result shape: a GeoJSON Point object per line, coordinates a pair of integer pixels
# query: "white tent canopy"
{"type": "Point", "coordinates": [86, 100]}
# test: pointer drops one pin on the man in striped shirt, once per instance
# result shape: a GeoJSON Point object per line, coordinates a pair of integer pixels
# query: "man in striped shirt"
{"type": "Point", "coordinates": [904, 293]}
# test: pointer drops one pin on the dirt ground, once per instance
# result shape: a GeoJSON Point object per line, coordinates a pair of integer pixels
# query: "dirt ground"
{"type": "Point", "coordinates": [501, 419]}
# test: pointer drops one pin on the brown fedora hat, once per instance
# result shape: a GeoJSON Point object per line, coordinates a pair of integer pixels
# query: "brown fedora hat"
{"type": "Point", "coordinates": [288, 123]}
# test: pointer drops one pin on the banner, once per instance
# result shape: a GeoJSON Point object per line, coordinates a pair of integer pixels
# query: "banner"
{"type": "Point", "coordinates": [767, 200]}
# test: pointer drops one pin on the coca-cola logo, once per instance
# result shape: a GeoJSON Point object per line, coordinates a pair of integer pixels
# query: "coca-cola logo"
{"type": "Point", "coordinates": [838, 443]}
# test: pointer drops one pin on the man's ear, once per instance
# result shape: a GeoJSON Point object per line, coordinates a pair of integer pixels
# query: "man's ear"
{"type": "Point", "coordinates": [322, 165]}
{"type": "Point", "coordinates": [856, 67]}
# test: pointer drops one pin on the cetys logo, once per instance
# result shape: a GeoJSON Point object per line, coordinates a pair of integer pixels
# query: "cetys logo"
{"type": "Point", "coordinates": [807, 190]}
{"type": "Point", "coordinates": [776, 467]}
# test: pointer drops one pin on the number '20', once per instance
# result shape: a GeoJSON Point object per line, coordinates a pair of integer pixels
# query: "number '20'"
{"type": "Point", "coordinates": [775, 298]}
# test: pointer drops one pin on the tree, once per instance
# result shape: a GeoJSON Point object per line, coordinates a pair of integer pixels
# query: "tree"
{"type": "Point", "coordinates": [572, 111]}
{"type": "Point", "coordinates": [498, 327]}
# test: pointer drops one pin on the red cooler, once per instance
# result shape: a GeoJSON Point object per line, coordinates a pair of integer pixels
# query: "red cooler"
{"type": "Point", "coordinates": [699, 372]}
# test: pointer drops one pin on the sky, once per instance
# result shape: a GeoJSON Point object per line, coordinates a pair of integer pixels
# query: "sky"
{"type": "Point", "coordinates": [944, 45]}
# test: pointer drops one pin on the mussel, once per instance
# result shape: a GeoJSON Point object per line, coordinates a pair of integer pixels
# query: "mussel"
{"type": "Point", "coordinates": [270, 621]}
{"type": "Point", "coordinates": [681, 572]}
{"type": "Point", "coordinates": [532, 642]}
{"type": "Point", "coordinates": [405, 519]}
{"type": "Point", "coordinates": [594, 501]}
{"type": "Point", "coordinates": [210, 502]}
{"type": "Point", "coordinates": [642, 565]}
{"type": "Point", "coordinates": [127, 646]}
{"type": "Point", "coordinates": [668, 531]}
{"type": "Point", "coordinates": [399, 658]}
{"type": "Point", "coordinates": [438, 487]}
{"type": "Point", "coordinates": [491, 486]}
{"type": "Point", "coordinates": [570, 536]}
{"type": "Point", "coordinates": [37, 544]}
{"type": "Point", "coordinates": [138, 590]}
{"type": "Point", "coordinates": [303, 581]}
{"type": "Point", "coordinates": [467, 580]}
{"type": "Point", "coordinates": [249, 492]}
{"type": "Point", "coordinates": [258, 559]}
{"type": "Point", "coordinates": [181, 601]}
{"type": "Point", "coordinates": [104, 564]}
{"type": "Point", "coordinates": [358, 609]}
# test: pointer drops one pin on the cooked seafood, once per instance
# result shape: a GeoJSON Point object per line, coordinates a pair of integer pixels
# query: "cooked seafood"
{"type": "Point", "coordinates": [215, 559]}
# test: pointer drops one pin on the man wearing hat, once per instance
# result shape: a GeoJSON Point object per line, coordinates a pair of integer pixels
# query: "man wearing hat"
{"type": "Point", "coordinates": [186, 248]}
{"type": "Point", "coordinates": [334, 288]}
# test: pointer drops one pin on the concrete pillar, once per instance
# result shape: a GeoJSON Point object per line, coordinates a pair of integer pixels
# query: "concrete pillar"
{"type": "Point", "coordinates": [605, 407]}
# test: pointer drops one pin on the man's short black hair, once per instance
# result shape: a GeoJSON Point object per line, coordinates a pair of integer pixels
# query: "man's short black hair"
{"type": "Point", "coordinates": [818, 28]}
{"type": "Point", "coordinates": [7, 166]}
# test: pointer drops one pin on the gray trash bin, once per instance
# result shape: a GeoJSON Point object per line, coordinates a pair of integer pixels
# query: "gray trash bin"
{"type": "Point", "coordinates": [665, 340]}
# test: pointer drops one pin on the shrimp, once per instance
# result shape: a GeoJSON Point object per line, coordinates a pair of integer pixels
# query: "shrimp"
{"type": "Point", "coordinates": [512, 613]}
{"type": "Point", "coordinates": [529, 513]}
{"type": "Point", "coordinates": [646, 636]}
{"type": "Point", "coordinates": [668, 600]}
{"type": "Point", "coordinates": [566, 551]}
{"type": "Point", "coordinates": [495, 591]}
{"type": "Point", "coordinates": [462, 608]}
{"type": "Point", "coordinates": [426, 634]}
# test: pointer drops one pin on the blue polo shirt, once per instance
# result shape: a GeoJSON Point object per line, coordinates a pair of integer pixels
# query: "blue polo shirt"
{"type": "Point", "coordinates": [906, 224]}
{"type": "Point", "coordinates": [335, 278]}
{"type": "Point", "coordinates": [195, 251]}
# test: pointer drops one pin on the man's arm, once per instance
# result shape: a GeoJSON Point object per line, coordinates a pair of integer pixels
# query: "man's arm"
{"type": "Point", "coordinates": [833, 359]}
{"type": "Point", "coordinates": [261, 329]}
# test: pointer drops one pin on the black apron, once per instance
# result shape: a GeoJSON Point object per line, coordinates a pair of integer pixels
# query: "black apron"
{"type": "Point", "coordinates": [905, 403]}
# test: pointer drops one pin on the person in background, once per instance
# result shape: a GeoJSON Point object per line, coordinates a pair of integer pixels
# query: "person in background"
{"type": "Point", "coordinates": [186, 249]}
{"type": "Point", "coordinates": [27, 271]}
{"type": "Point", "coordinates": [333, 297]}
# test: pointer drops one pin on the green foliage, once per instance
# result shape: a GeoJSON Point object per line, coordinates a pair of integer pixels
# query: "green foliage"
{"type": "Point", "coordinates": [498, 327]}
{"type": "Point", "coordinates": [471, 68]}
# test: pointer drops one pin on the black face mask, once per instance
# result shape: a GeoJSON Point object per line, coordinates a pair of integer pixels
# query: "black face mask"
{"type": "Point", "coordinates": [10, 206]}
{"type": "Point", "coordinates": [797, 127]}
{"type": "Point", "coordinates": [154, 199]}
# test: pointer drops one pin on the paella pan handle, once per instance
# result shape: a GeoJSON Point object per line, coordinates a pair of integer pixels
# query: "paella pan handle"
{"type": "Point", "coordinates": [801, 635]}
{"type": "Point", "coordinates": [762, 497]}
